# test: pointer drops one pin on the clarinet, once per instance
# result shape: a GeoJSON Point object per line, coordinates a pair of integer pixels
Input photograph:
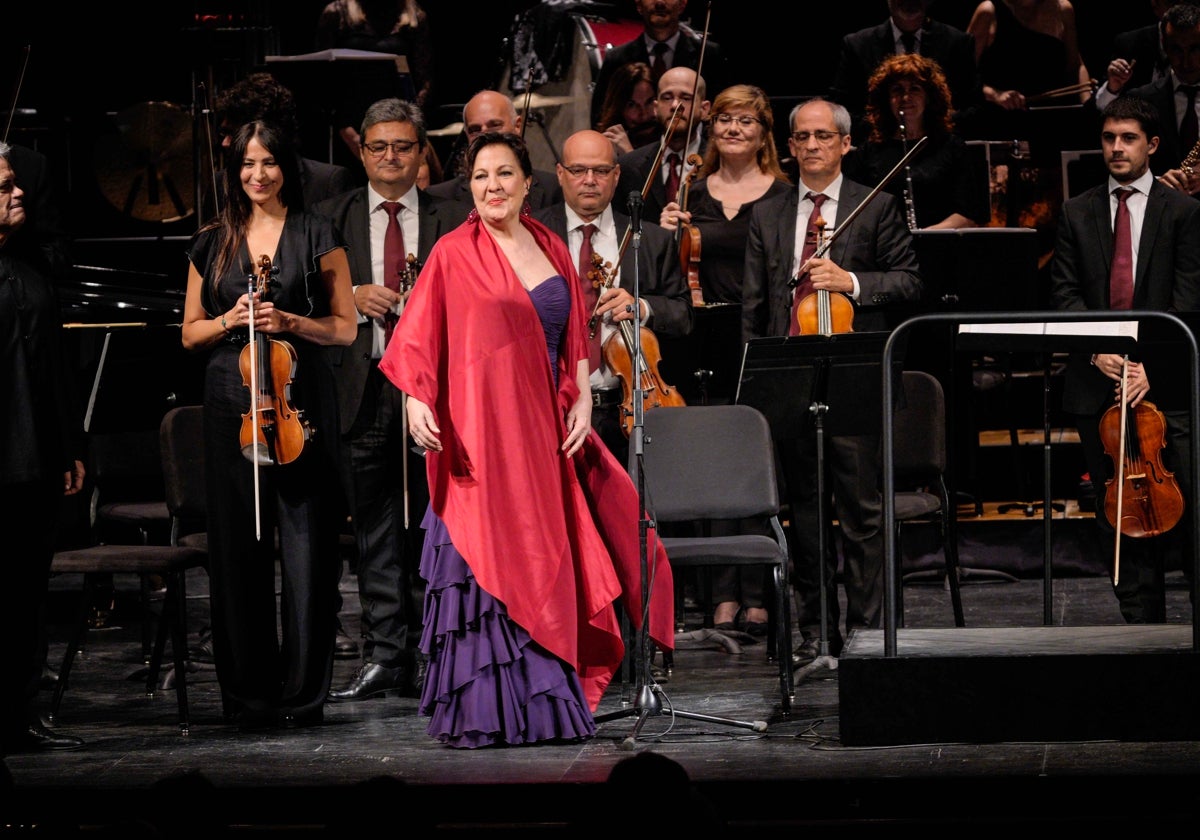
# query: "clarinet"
{"type": "Point", "coordinates": [910, 212]}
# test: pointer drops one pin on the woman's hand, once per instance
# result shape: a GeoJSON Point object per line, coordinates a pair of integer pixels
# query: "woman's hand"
{"type": "Point", "coordinates": [422, 425]}
{"type": "Point", "coordinates": [579, 422]}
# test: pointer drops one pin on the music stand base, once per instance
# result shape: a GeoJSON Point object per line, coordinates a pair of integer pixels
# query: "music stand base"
{"type": "Point", "coordinates": [650, 704]}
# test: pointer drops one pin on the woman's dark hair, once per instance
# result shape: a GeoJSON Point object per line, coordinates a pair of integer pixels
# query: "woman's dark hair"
{"type": "Point", "coordinates": [492, 138]}
{"type": "Point", "coordinates": [924, 71]}
{"type": "Point", "coordinates": [620, 91]}
{"type": "Point", "coordinates": [236, 213]}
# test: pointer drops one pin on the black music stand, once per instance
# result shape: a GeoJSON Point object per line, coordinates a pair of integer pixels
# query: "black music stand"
{"type": "Point", "coordinates": [1046, 338]}
{"type": "Point", "coordinates": [800, 383]}
{"type": "Point", "coordinates": [989, 269]}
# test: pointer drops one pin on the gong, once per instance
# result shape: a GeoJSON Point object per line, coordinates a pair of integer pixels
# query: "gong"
{"type": "Point", "coordinates": [144, 167]}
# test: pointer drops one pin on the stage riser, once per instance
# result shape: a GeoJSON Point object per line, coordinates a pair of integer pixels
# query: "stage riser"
{"type": "Point", "coordinates": [1003, 692]}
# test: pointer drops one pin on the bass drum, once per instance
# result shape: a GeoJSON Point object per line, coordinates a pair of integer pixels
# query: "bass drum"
{"type": "Point", "coordinates": [560, 107]}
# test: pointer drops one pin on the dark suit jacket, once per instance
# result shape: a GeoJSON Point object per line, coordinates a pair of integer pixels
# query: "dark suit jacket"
{"type": "Point", "coordinates": [543, 191]}
{"type": "Point", "coordinates": [44, 224]}
{"type": "Point", "coordinates": [877, 247]}
{"type": "Point", "coordinates": [635, 169]}
{"type": "Point", "coordinates": [320, 180]}
{"type": "Point", "coordinates": [687, 54]}
{"type": "Point", "coordinates": [349, 212]}
{"type": "Point", "coordinates": [660, 279]}
{"type": "Point", "coordinates": [1143, 47]}
{"type": "Point", "coordinates": [862, 52]}
{"type": "Point", "coordinates": [1161, 95]}
{"type": "Point", "coordinates": [1167, 277]}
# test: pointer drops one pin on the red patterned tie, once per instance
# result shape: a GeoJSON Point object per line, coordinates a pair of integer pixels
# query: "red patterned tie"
{"type": "Point", "coordinates": [590, 292]}
{"type": "Point", "coordinates": [673, 176]}
{"type": "Point", "coordinates": [393, 262]}
{"type": "Point", "coordinates": [811, 233]}
{"type": "Point", "coordinates": [1120, 278]}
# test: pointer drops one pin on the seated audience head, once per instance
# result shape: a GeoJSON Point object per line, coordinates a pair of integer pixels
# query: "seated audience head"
{"type": "Point", "coordinates": [259, 96]}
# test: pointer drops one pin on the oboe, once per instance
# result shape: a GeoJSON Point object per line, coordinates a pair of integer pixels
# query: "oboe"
{"type": "Point", "coordinates": [910, 212]}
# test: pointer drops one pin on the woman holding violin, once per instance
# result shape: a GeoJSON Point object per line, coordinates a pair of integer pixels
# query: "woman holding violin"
{"type": "Point", "coordinates": [1149, 464]}
{"type": "Point", "coordinates": [268, 285]}
{"type": "Point", "coordinates": [740, 168]}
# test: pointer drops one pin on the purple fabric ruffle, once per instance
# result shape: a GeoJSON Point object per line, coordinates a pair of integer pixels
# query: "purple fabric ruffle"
{"type": "Point", "coordinates": [488, 682]}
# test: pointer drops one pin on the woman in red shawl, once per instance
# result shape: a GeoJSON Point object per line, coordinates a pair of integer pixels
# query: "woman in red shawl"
{"type": "Point", "coordinates": [532, 529]}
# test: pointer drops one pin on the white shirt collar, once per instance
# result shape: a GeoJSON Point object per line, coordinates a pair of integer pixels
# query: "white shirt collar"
{"type": "Point", "coordinates": [408, 201]}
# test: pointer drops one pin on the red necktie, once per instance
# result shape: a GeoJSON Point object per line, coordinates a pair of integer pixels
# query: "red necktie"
{"type": "Point", "coordinates": [658, 64]}
{"type": "Point", "coordinates": [1120, 278]}
{"type": "Point", "coordinates": [673, 176]}
{"type": "Point", "coordinates": [393, 262]}
{"type": "Point", "coordinates": [1189, 127]}
{"type": "Point", "coordinates": [804, 288]}
{"type": "Point", "coordinates": [590, 293]}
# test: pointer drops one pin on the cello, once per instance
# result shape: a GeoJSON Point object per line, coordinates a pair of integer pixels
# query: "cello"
{"type": "Point", "coordinates": [619, 351]}
{"type": "Point", "coordinates": [1147, 500]}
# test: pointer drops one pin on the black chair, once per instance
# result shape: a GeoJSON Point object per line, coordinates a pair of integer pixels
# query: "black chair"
{"type": "Point", "coordinates": [919, 463]}
{"type": "Point", "coordinates": [99, 562]}
{"type": "Point", "coordinates": [717, 462]}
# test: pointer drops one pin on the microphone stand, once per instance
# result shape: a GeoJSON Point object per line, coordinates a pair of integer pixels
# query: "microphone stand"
{"type": "Point", "coordinates": [648, 694]}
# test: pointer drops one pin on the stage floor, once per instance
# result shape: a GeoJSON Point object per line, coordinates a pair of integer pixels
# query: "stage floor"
{"type": "Point", "coordinates": [798, 772]}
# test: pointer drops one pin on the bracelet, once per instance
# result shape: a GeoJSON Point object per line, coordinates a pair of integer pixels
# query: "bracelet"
{"type": "Point", "coordinates": [224, 326]}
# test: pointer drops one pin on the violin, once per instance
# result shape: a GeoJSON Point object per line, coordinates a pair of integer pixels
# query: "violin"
{"type": "Point", "coordinates": [1146, 500]}
{"type": "Point", "coordinates": [689, 238]}
{"type": "Point", "coordinates": [273, 431]}
{"type": "Point", "coordinates": [824, 312]}
{"type": "Point", "coordinates": [619, 351]}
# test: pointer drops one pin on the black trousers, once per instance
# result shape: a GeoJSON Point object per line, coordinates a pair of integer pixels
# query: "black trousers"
{"type": "Point", "coordinates": [373, 463]}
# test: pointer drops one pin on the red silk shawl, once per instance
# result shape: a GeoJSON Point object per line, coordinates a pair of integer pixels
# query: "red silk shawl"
{"type": "Point", "coordinates": [556, 542]}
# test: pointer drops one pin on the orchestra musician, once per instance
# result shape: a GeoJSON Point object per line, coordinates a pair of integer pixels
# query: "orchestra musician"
{"type": "Point", "coordinates": [740, 168]}
{"type": "Point", "coordinates": [384, 483]}
{"type": "Point", "coordinates": [873, 264]}
{"type": "Point", "coordinates": [628, 117]}
{"type": "Point", "coordinates": [680, 103]}
{"type": "Point", "coordinates": [588, 176]}
{"type": "Point", "coordinates": [1165, 272]}
{"type": "Point", "coordinates": [268, 681]}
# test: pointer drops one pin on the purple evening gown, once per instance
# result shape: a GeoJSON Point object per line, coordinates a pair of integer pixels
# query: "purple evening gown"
{"type": "Point", "coordinates": [488, 682]}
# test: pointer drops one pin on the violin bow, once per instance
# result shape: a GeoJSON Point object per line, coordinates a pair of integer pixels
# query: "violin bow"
{"type": "Point", "coordinates": [17, 92]}
{"type": "Point", "coordinates": [825, 246]}
{"type": "Point", "coordinates": [254, 399]}
{"type": "Point", "coordinates": [528, 99]}
{"type": "Point", "coordinates": [1121, 470]}
{"type": "Point", "coordinates": [692, 113]}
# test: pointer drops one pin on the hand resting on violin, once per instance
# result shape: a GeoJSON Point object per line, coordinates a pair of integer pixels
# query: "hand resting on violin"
{"type": "Point", "coordinates": [619, 302]}
{"type": "Point", "coordinates": [826, 274]}
{"type": "Point", "coordinates": [672, 215]}
{"type": "Point", "coordinates": [375, 301]}
{"type": "Point", "coordinates": [1137, 383]}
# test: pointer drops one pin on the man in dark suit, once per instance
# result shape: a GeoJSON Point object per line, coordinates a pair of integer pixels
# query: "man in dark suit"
{"type": "Point", "coordinates": [376, 458]}
{"type": "Point", "coordinates": [872, 263]}
{"type": "Point", "coordinates": [663, 33]}
{"type": "Point", "coordinates": [1181, 40]}
{"type": "Point", "coordinates": [862, 51]}
{"type": "Point", "coordinates": [490, 110]}
{"type": "Point", "coordinates": [677, 87]}
{"type": "Point", "coordinates": [1165, 276]}
{"type": "Point", "coordinates": [588, 175]}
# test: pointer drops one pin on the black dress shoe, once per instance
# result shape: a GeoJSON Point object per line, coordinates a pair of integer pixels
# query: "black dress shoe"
{"type": "Point", "coordinates": [372, 680]}
{"type": "Point", "coordinates": [37, 738]}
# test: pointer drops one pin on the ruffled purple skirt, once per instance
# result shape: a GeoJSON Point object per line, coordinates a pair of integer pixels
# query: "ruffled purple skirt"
{"type": "Point", "coordinates": [488, 682]}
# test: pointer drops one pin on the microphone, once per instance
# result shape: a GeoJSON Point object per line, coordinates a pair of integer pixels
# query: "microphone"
{"type": "Point", "coordinates": [634, 204]}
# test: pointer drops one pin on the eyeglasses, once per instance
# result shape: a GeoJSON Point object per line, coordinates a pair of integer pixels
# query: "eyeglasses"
{"type": "Point", "coordinates": [743, 121]}
{"type": "Point", "coordinates": [398, 147]}
{"type": "Point", "coordinates": [822, 136]}
{"type": "Point", "coordinates": [598, 171]}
